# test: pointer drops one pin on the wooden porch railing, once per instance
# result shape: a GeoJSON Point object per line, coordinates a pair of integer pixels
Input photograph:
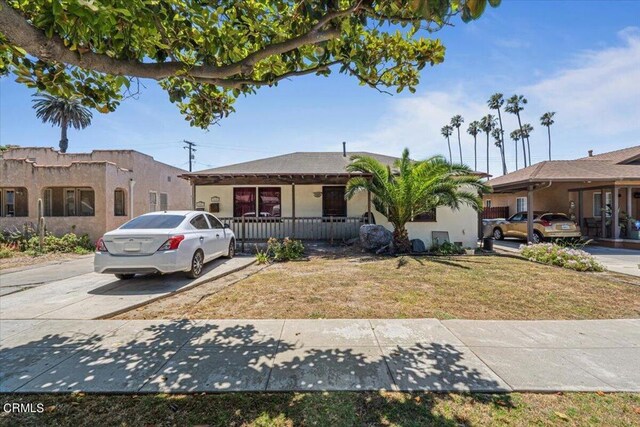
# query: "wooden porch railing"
{"type": "Point", "coordinates": [495, 212]}
{"type": "Point", "coordinates": [252, 229]}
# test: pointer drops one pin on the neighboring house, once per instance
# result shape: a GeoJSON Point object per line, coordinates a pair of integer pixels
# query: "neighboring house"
{"type": "Point", "coordinates": [85, 192]}
{"type": "Point", "coordinates": [575, 187]}
{"type": "Point", "coordinates": [301, 195]}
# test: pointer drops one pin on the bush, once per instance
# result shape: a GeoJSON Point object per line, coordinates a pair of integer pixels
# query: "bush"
{"type": "Point", "coordinates": [285, 250]}
{"type": "Point", "coordinates": [446, 248]}
{"type": "Point", "coordinates": [552, 254]}
{"type": "Point", "coordinates": [69, 243]}
{"type": "Point", "coordinates": [18, 237]}
{"type": "Point", "coordinates": [7, 250]}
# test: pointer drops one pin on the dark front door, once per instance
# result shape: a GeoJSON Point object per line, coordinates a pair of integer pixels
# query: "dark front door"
{"type": "Point", "coordinates": [333, 201]}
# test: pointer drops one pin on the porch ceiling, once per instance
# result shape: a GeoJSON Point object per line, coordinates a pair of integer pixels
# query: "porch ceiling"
{"type": "Point", "coordinates": [269, 179]}
{"type": "Point", "coordinates": [578, 185]}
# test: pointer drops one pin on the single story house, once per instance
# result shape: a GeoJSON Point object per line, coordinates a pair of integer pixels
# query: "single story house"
{"type": "Point", "coordinates": [302, 195]}
{"type": "Point", "coordinates": [85, 192]}
{"type": "Point", "coordinates": [576, 188]}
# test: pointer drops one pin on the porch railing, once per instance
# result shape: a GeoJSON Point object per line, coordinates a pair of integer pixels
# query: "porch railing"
{"type": "Point", "coordinates": [252, 229]}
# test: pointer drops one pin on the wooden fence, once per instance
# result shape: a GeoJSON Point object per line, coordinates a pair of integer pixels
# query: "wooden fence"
{"type": "Point", "coordinates": [495, 212]}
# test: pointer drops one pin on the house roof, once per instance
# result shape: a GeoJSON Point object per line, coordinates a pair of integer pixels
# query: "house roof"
{"type": "Point", "coordinates": [603, 167]}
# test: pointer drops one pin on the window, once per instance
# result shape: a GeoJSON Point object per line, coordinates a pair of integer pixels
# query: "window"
{"type": "Point", "coordinates": [9, 203]}
{"type": "Point", "coordinates": [70, 202]}
{"type": "Point", "coordinates": [215, 222]}
{"type": "Point", "coordinates": [518, 217]}
{"type": "Point", "coordinates": [164, 201]}
{"type": "Point", "coordinates": [425, 217]}
{"type": "Point", "coordinates": [154, 221]}
{"type": "Point", "coordinates": [597, 204]}
{"type": "Point", "coordinates": [153, 201]}
{"type": "Point", "coordinates": [521, 204]}
{"type": "Point", "coordinates": [333, 201]}
{"type": "Point", "coordinates": [487, 203]}
{"type": "Point", "coordinates": [48, 202]}
{"type": "Point", "coordinates": [200, 223]}
{"type": "Point", "coordinates": [118, 203]}
{"type": "Point", "coordinates": [87, 203]}
{"type": "Point", "coordinates": [269, 202]}
{"type": "Point", "coordinates": [244, 202]}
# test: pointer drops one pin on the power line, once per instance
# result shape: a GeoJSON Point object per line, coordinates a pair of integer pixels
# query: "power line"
{"type": "Point", "coordinates": [189, 146]}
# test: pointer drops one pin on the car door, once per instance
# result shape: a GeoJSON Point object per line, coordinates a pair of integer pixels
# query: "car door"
{"type": "Point", "coordinates": [205, 235]}
{"type": "Point", "coordinates": [220, 235]}
{"type": "Point", "coordinates": [520, 227]}
{"type": "Point", "coordinates": [510, 226]}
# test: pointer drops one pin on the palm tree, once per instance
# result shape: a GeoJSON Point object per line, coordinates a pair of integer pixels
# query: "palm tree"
{"type": "Point", "coordinates": [63, 112]}
{"type": "Point", "coordinates": [514, 106]}
{"type": "Point", "coordinates": [547, 120]}
{"type": "Point", "coordinates": [413, 188]}
{"type": "Point", "coordinates": [446, 131]}
{"type": "Point", "coordinates": [515, 135]}
{"type": "Point", "coordinates": [487, 124]}
{"type": "Point", "coordinates": [456, 122]}
{"type": "Point", "coordinates": [526, 133]}
{"type": "Point", "coordinates": [474, 130]}
{"type": "Point", "coordinates": [495, 102]}
{"type": "Point", "coordinates": [498, 137]}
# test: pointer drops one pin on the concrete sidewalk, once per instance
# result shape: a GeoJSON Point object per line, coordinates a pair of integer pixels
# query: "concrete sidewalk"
{"type": "Point", "coordinates": [277, 355]}
{"type": "Point", "coordinates": [92, 295]}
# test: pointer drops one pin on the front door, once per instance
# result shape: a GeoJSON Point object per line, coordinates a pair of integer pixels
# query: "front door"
{"type": "Point", "coordinates": [333, 201]}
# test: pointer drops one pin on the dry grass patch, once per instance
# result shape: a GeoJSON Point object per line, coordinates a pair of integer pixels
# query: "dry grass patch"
{"type": "Point", "coordinates": [20, 259]}
{"type": "Point", "coordinates": [468, 287]}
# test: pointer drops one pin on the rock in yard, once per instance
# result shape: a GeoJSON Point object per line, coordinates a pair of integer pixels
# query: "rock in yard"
{"type": "Point", "coordinates": [417, 246]}
{"type": "Point", "coordinates": [374, 237]}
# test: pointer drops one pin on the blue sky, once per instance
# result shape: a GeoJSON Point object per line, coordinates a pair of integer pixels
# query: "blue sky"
{"type": "Point", "coordinates": [578, 58]}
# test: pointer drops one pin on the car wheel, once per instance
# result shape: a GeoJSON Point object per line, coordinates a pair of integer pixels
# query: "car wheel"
{"type": "Point", "coordinates": [232, 249]}
{"type": "Point", "coordinates": [537, 237]}
{"type": "Point", "coordinates": [124, 276]}
{"type": "Point", "coordinates": [497, 234]}
{"type": "Point", "coordinates": [197, 262]}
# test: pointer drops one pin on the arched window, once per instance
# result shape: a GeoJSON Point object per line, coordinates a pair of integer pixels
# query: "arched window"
{"type": "Point", "coordinates": [59, 201]}
{"type": "Point", "coordinates": [119, 202]}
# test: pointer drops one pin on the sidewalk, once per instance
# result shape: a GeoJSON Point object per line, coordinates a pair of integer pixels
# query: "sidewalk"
{"type": "Point", "coordinates": [119, 356]}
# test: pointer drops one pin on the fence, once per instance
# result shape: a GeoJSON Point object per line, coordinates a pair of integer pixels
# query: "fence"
{"type": "Point", "coordinates": [495, 212]}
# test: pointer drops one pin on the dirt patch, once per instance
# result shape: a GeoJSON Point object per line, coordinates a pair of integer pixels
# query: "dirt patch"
{"type": "Point", "coordinates": [23, 260]}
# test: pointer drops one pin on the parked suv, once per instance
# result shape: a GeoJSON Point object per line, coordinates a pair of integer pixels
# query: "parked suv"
{"type": "Point", "coordinates": [545, 226]}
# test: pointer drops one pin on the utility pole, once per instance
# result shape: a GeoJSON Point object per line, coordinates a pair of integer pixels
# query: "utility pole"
{"type": "Point", "coordinates": [189, 146]}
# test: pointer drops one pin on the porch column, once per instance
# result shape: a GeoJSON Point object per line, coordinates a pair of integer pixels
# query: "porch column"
{"type": "Point", "coordinates": [293, 209]}
{"type": "Point", "coordinates": [603, 213]}
{"type": "Point", "coordinates": [630, 201]}
{"type": "Point", "coordinates": [368, 207]}
{"type": "Point", "coordinates": [530, 214]}
{"type": "Point", "coordinates": [581, 209]}
{"type": "Point", "coordinates": [193, 196]}
{"type": "Point", "coordinates": [615, 207]}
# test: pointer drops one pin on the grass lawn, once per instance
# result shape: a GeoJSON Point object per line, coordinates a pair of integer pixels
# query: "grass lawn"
{"type": "Point", "coordinates": [330, 409]}
{"type": "Point", "coordinates": [356, 286]}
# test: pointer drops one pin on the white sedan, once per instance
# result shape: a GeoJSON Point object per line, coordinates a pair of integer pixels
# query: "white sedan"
{"type": "Point", "coordinates": [164, 242]}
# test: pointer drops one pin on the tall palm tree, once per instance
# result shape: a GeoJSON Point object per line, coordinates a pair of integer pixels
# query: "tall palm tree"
{"type": "Point", "coordinates": [515, 104]}
{"type": "Point", "coordinates": [63, 112]}
{"type": "Point", "coordinates": [495, 102]}
{"type": "Point", "coordinates": [446, 131]}
{"type": "Point", "coordinates": [498, 139]}
{"type": "Point", "coordinates": [526, 133]}
{"type": "Point", "coordinates": [547, 120]}
{"type": "Point", "coordinates": [487, 124]}
{"type": "Point", "coordinates": [515, 135]}
{"type": "Point", "coordinates": [474, 130]}
{"type": "Point", "coordinates": [413, 188]}
{"type": "Point", "coordinates": [456, 122]}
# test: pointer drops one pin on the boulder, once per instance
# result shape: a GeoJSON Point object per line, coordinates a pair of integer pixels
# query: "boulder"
{"type": "Point", "coordinates": [418, 246]}
{"type": "Point", "coordinates": [374, 237]}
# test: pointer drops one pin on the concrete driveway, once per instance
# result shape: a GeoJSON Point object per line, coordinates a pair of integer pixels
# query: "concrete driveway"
{"type": "Point", "coordinates": [73, 293]}
{"type": "Point", "coordinates": [626, 261]}
{"type": "Point", "coordinates": [18, 279]}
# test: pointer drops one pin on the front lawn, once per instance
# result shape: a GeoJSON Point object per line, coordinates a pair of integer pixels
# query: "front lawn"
{"type": "Point", "coordinates": [330, 409]}
{"type": "Point", "coordinates": [360, 286]}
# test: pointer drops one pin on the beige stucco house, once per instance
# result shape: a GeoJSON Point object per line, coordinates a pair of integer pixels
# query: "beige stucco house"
{"type": "Point", "coordinates": [85, 192]}
{"type": "Point", "coordinates": [575, 187]}
{"type": "Point", "coordinates": [301, 195]}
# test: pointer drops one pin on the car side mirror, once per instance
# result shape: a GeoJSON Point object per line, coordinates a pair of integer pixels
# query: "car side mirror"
{"type": "Point", "coordinates": [225, 225]}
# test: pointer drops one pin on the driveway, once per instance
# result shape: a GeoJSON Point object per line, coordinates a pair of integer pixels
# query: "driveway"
{"type": "Point", "coordinates": [626, 261]}
{"type": "Point", "coordinates": [151, 356]}
{"type": "Point", "coordinates": [19, 279]}
{"type": "Point", "coordinates": [74, 293]}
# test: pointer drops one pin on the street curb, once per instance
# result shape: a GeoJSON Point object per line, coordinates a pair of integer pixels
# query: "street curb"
{"type": "Point", "coordinates": [186, 288]}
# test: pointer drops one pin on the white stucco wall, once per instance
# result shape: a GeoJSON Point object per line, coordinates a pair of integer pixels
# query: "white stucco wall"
{"type": "Point", "coordinates": [462, 225]}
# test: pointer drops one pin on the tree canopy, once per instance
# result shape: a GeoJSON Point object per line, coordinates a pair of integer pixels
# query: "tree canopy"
{"type": "Point", "coordinates": [205, 54]}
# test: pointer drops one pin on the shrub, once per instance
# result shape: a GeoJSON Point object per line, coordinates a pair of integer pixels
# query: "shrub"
{"type": "Point", "coordinates": [69, 243]}
{"type": "Point", "coordinates": [18, 236]}
{"type": "Point", "coordinates": [446, 248]}
{"type": "Point", "coordinates": [285, 250]}
{"type": "Point", "coordinates": [7, 250]}
{"type": "Point", "coordinates": [552, 254]}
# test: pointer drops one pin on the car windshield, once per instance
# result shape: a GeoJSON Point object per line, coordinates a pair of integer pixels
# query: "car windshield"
{"type": "Point", "coordinates": [154, 221]}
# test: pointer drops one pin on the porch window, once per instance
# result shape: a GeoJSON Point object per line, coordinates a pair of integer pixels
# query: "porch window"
{"type": "Point", "coordinates": [68, 201]}
{"type": "Point", "coordinates": [118, 203]}
{"type": "Point", "coordinates": [425, 217]}
{"type": "Point", "coordinates": [153, 201]}
{"type": "Point", "coordinates": [14, 202]}
{"type": "Point", "coordinates": [244, 202]}
{"type": "Point", "coordinates": [269, 202]}
{"type": "Point", "coordinates": [86, 202]}
{"type": "Point", "coordinates": [487, 203]}
{"type": "Point", "coordinates": [164, 201]}
{"type": "Point", "coordinates": [597, 204]}
{"type": "Point", "coordinates": [521, 204]}
{"type": "Point", "coordinates": [333, 201]}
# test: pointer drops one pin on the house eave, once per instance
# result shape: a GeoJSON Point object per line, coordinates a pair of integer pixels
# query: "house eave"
{"type": "Point", "coordinates": [269, 178]}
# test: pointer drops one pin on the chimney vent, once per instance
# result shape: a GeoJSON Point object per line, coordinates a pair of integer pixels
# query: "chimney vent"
{"type": "Point", "coordinates": [590, 153]}
{"type": "Point", "coordinates": [344, 149]}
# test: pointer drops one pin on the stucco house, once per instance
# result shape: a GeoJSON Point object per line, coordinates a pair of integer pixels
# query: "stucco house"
{"type": "Point", "coordinates": [85, 192]}
{"type": "Point", "coordinates": [576, 187]}
{"type": "Point", "coordinates": [301, 195]}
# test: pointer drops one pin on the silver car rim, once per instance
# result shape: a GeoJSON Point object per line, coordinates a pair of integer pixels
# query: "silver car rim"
{"type": "Point", "coordinates": [497, 234]}
{"type": "Point", "coordinates": [536, 238]}
{"type": "Point", "coordinates": [232, 250]}
{"type": "Point", "coordinates": [197, 263]}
